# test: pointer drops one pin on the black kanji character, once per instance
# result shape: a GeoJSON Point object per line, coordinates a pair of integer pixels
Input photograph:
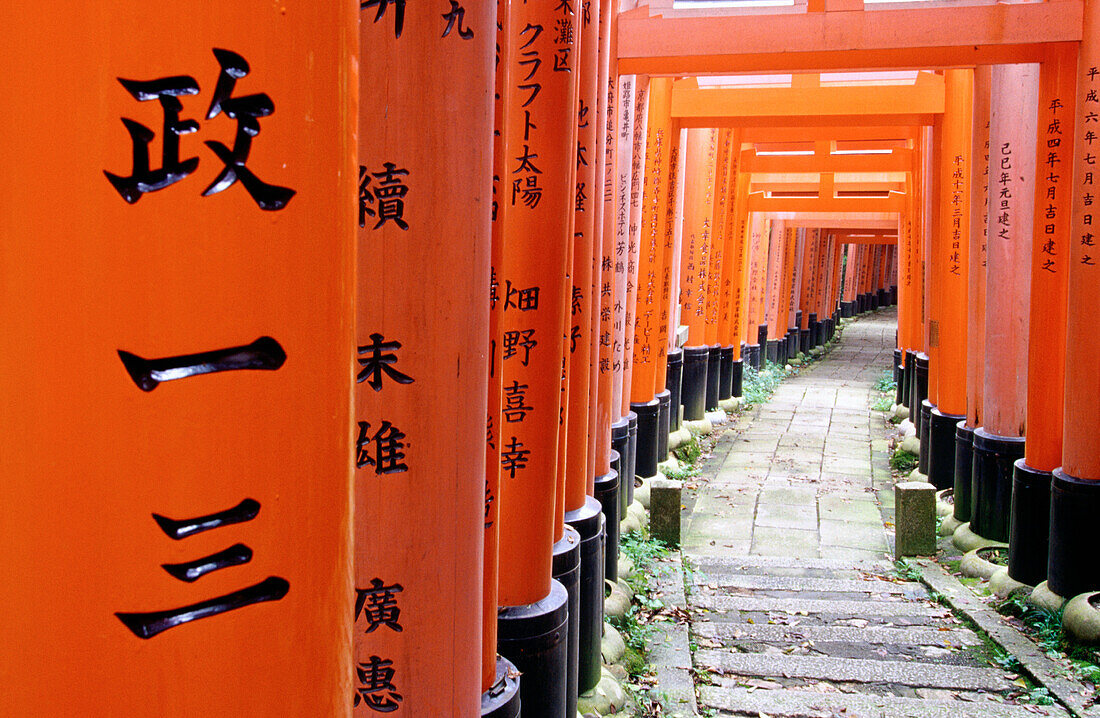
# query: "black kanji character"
{"type": "Point", "coordinates": [524, 300]}
{"type": "Point", "coordinates": [377, 362]}
{"type": "Point", "coordinates": [142, 178]}
{"type": "Point", "coordinates": [376, 687]}
{"type": "Point", "coordinates": [515, 402]}
{"type": "Point", "coordinates": [455, 16]}
{"type": "Point", "coordinates": [379, 605]}
{"type": "Point", "coordinates": [391, 193]}
{"type": "Point", "coordinates": [515, 458]}
{"type": "Point", "coordinates": [388, 455]}
{"type": "Point", "coordinates": [399, 12]}
{"type": "Point", "coordinates": [246, 110]}
{"type": "Point", "coordinates": [519, 339]}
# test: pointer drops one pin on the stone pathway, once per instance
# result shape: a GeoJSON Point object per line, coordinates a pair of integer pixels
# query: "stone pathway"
{"type": "Point", "coordinates": [796, 609]}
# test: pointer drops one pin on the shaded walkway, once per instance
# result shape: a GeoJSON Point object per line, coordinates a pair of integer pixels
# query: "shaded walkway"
{"type": "Point", "coordinates": [796, 608]}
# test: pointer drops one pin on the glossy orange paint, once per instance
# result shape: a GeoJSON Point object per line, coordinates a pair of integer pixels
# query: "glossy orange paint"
{"type": "Point", "coordinates": [92, 451]}
{"type": "Point", "coordinates": [673, 226]}
{"type": "Point", "coordinates": [620, 223]}
{"type": "Point", "coordinates": [717, 231]}
{"type": "Point", "coordinates": [580, 314]}
{"type": "Point", "coordinates": [429, 543]}
{"type": "Point", "coordinates": [733, 266]}
{"type": "Point", "coordinates": [1012, 135]}
{"type": "Point", "coordinates": [756, 282]}
{"type": "Point", "coordinates": [950, 264]}
{"type": "Point", "coordinates": [537, 235]}
{"type": "Point", "coordinates": [701, 151]}
{"type": "Point", "coordinates": [651, 254]}
{"type": "Point", "coordinates": [979, 228]}
{"type": "Point", "coordinates": [637, 172]}
{"type": "Point", "coordinates": [1049, 271]}
{"type": "Point", "coordinates": [1081, 433]}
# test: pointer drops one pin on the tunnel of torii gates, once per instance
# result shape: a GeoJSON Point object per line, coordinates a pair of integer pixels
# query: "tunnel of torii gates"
{"type": "Point", "coordinates": [456, 271]}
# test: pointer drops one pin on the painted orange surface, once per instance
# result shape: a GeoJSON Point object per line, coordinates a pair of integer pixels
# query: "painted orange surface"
{"type": "Point", "coordinates": [1015, 96]}
{"type": "Point", "coordinates": [979, 227]}
{"type": "Point", "coordinates": [149, 265]}
{"type": "Point", "coordinates": [1081, 436]}
{"type": "Point", "coordinates": [673, 224]}
{"type": "Point", "coordinates": [950, 265]}
{"type": "Point", "coordinates": [651, 245]}
{"type": "Point", "coordinates": [809, 250]}
{"type": "Point", "coordinates": [444, 240]}
{"type": "Point", "coordinates": [580, 308]}
{"type": "Point", "coordinates": [701, 152]}
{"type": "Point", "coordinates": [774, 277]}
{"type": "Point", "coordinates": [786, 296]}
{"type": "Point", "coordinates": [719, 211]}
{"type": "Point", "coordinates": [537, 235]}
{"type": "Point", "coordinates": [637, 171]}
{"type": "Point", "coordinates": [624, 162]}
{"type": "Point", "coordinates": [733, 266]}
{"type": "Point", "coordinates": [1049, 270]}
{"type": "Point", "coordinates": [758, 266]}
{"type": "Point", "coordinates": [609, 92]}
{"type": "Point", "coordinates": [490, 557]}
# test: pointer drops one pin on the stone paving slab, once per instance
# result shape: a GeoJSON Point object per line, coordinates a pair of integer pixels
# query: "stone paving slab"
{"type": "Point", "coordinates": [874, 635]}
{"type": "Point", "coordinates": [787, 562]}
{"type": "Point", "coordinates": [808, 704]}
{"type": "Point", "coordinates": [854, 609]}
{"type": "Point", "coordinates": [859, 670]}
{"type": "Point", "coordinates": [718, 579]}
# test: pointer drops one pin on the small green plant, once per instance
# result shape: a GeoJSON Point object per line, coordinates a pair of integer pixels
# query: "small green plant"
{"type": "Point", "coordinates": [681, 474]}
{"type": "Point", "coordinates": [1039, 696]}
{"type": "Point", "coordinates": [758, 386]}
{"type": "Point", "coordinates": [885, 384]}
{"type": "Point", "coordinates": [904, 570]}
{"type": "Point", "coordinates": [690, 452]}
{"type": "Point", "coordinates": [904, 461]}
{"type": "Point", "coordinates": [883, 403]}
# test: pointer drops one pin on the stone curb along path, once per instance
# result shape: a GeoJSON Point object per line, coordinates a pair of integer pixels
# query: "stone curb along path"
{"type": "Point", "coordinates": [795, 607]}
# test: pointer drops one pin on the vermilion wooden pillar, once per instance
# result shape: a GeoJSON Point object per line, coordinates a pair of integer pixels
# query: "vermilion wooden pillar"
{"type": "Point", "coordinates": [950, 267]}
{"type": "Point", "coordinates": [607, 478]}
{"type": "Point", "coordinates": [717, 242]}
{"type": "Point", "coordinates": [623, 185]}
{"type": "Point", "coordinates": [1075, 490]}
{"type": "Point", "coordinates": [537, 213]}
{"type": "Point", "coordinates": [754, 302]}
{"type": "Point", "coordinates": [425, 211]}
{"type": "Point", "coordinates": [177, 491]}
{"type": "Point", "coordinates": [731, 310]}
{"type": "Point", "coordinates": [647, 341]}
{"type": "Point", "coordinates": [1029, 526]}
{"type": "Point", "coordinates": [999, 441]}
{"type": "Point", "coordinates": [666, 325]}
{"type": "Point", "coordinates": [494, 668]}
{"type": "Point", "coordinates": [698, 214]}
{"type": "Point", "coordinates": [777, 246]}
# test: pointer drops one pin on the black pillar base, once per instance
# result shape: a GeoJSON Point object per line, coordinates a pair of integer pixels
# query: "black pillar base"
{"type": "Point", "coordinates": [897, 366]}
{"type": "Point", "coordinates": [1029, 524]}
{"type": "Point", "coordinates": [816, 338]}
{"type": "Point", "coordinates": [964, 463]}
{"type": "Point", "coordinates": [664, 416]}
{"type": "Point", "coordinates": [752, 354]}
{"type": "Point", "coordinates": [567, 571]}
{"type": "Point", "coordinates": [894, 294]}
{"type": "Point", "coordinates": [693, 390]}
{"type": "Point", "coordinates": [798, 319]}
{"type": "Point", "coordinates": [830, 328]}
{"type": "Point", "coordinates": [762, 338]}
{"type": "Point", "coordinates": [918, 392]}
{"type": "Point", "coordinates": [847, 309]}
{"type": "Point", "coordinates": [646, 452]}
{"type": "Point", "coordinates": [738, 377]}
{"type": "Point", "coordinates": [781, 351]}
{"type": "Point", "coordinates": [714, 370]}
{"type": "Point", "coordinates": [502, 698]}
{"type": "Point", "coordinates": [899, 375]}
{"type": "Point", "coordinates": [907, 375]}
{"type": "Point", "coordinates": [926, 408]}
{"type": "Point", "coordinates": [589, 524]}
{"type": "Point", "coordinates": [534, 638]}
{"type": "Point", "coordinates": [607, 493]}
{"type": "Point", "coordinates": [1074, 505]}
{"type": "Point", "coordinates": [674, 374]}
{"type": "Point", "coordinates": [804, 343]}
{"type": "Point", "coordinates": [991, 483]}
{"type": "Point", "coordinates": [941, 448]}
{"type": "Point", "coordinates": [725, 376]}
{"type": "Point", "coordinates": [630, 461]}
{"type": "Point", "coordinates": [773, 350]}
{"type": "Point", "coordinates": [880, 298]}
{"type": "Point", "coordinates": [792, 343]}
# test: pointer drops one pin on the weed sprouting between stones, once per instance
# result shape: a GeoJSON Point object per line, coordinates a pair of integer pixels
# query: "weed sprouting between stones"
{"type": "Point", "coordinates": [758, 386]}
{"type": "Point", "coordinates": [903, 461]}
{"type": "Point", "coordinates": [904, 570]}
{"type": "Point", "coordinates": [885, 384]}
{"type": "Point", "coordinates": [1045, 627]}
